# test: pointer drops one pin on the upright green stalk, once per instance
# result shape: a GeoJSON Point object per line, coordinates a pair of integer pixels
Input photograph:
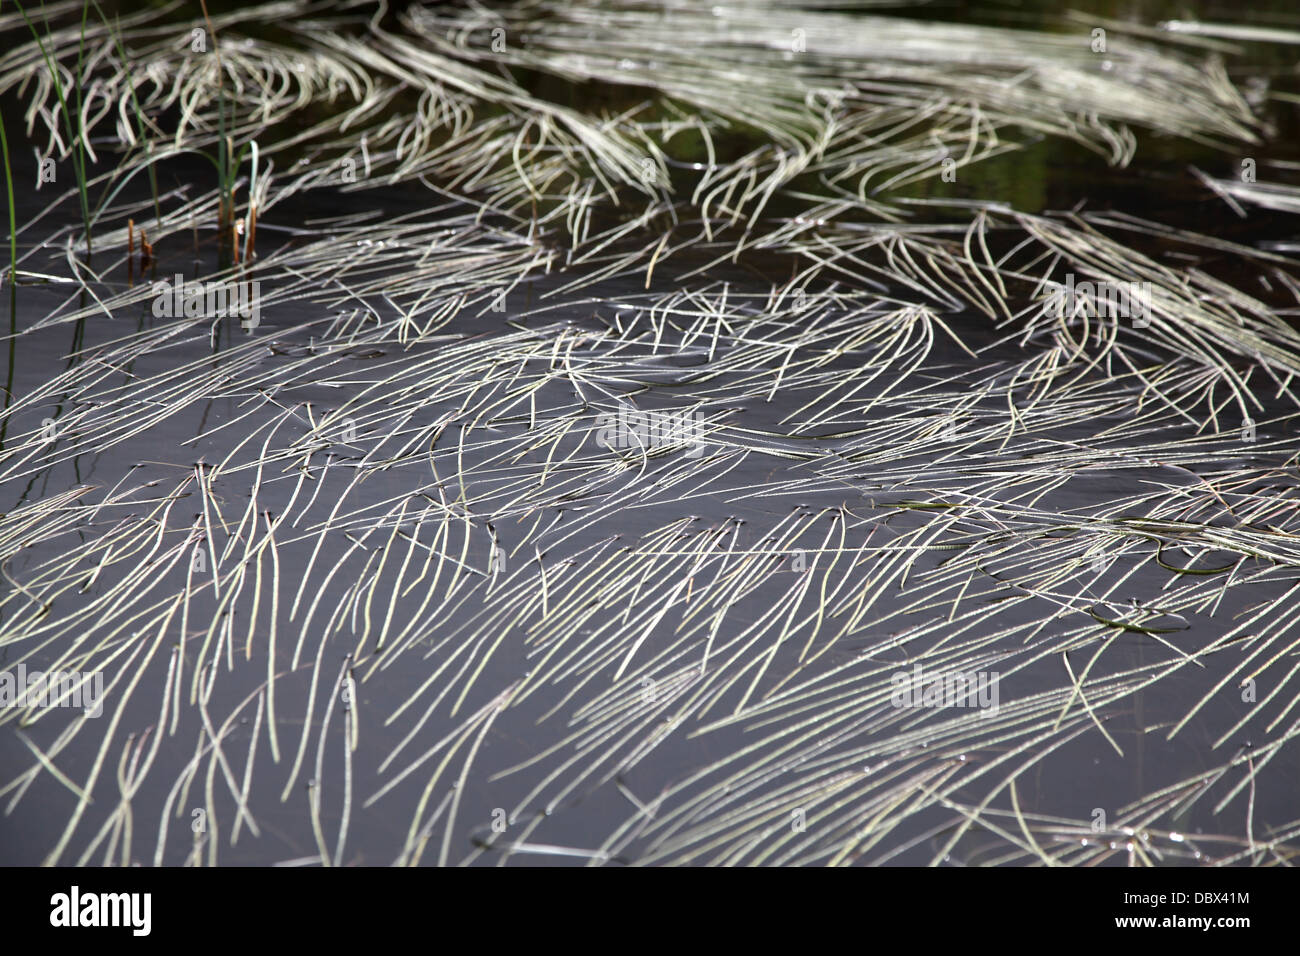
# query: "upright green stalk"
{"type": "Point", "coordinates": [226, 210]}
{"type": "Point", "coordinates": [77, 136]}
{"type": "Point", "coordinates": [81, 138]}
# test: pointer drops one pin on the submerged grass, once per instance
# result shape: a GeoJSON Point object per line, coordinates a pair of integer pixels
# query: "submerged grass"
{"type": "Point", "coordinates": [382, 549]}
